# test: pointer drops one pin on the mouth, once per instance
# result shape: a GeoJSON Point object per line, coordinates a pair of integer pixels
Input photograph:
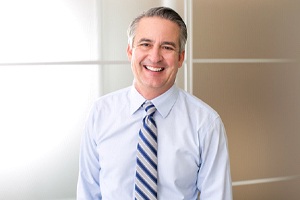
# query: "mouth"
{"type": "Point", "coordinates": [154, 69]}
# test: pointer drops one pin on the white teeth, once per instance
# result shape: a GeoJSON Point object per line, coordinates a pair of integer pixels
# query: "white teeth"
{"type": "Point", "coordinates": [154, 69]}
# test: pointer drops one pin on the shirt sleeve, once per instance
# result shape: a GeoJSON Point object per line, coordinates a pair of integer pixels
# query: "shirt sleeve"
{"type": "Point", "coordinates": [88, 186]}
{"type": "Point", "coordinates": [214, 179]}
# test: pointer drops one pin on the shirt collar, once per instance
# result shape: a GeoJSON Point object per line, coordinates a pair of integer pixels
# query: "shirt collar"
{"type": "Point", "coordinates": [136, 100]}
{"type": "Point", "coordinates": [163, 103]}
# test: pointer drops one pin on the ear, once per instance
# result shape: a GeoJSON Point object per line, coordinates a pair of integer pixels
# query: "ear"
{"type": "Point", "coordinates": [181, 58]}
{"type": "Point", "coordinates": [129, 52]}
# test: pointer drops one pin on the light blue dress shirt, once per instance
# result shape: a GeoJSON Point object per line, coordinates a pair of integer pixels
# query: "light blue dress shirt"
{"type": "Point", "coordinates": [192, 148]}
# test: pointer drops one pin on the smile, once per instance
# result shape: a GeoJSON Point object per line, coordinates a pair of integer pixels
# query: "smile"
{"type": "Point", "coordinates": [154, 69]}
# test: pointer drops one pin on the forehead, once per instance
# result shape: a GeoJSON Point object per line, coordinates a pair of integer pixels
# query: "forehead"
{"type": "Point", "coordinates": [157, 28]}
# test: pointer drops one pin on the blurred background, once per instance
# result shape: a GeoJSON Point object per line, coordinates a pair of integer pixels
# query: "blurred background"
{"type": "Point", "coordinates": [58, 56]}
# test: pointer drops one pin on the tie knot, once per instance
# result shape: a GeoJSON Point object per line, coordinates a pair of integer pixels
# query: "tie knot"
{"type": "Point", "coordinates": [149, 108]}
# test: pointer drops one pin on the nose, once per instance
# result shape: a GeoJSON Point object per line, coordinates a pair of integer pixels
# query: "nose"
{"type": "Point", "coordinates": [155, 55]}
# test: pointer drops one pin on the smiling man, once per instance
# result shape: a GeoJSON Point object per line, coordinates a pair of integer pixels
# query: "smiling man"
{"type": "Point", "coordinates": [155, 55]}
{"type": "Point", "coordinates": [153, 140]}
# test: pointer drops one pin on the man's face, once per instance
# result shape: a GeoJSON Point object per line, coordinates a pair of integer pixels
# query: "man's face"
{"type": "Point", "coordinates": [154, 55]}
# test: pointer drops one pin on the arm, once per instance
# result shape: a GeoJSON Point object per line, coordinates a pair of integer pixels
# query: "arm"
{"type": "Point", "coordinates": [214, 179]}
{"type": "Point", "coordinates": [88, 186]}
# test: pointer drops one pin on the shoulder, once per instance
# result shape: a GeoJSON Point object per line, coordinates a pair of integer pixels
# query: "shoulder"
{"type": "Point", "coordinates": [202, 116]}
{"type": "Point", "coordinates": [115, 96]}
{"type": "Point", "coordinates": [113, 100]}
{"type": "Point", "coordinates": [197, 110]}
{"type": "Point", "coordinates": [196, 103]}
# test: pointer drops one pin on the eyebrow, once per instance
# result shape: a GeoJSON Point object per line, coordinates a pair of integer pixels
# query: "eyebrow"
{"type": "Point", "coordinates": [144, 40]}
{"type": "Point", "coordinates": [151, 41]}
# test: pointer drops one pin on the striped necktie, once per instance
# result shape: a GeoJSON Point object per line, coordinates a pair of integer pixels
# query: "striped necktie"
{"type": "Point", "coordinates": [146, 168]}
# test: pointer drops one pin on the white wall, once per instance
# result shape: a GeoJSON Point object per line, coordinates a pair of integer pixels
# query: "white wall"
{"type": "Point", "coordinates": [56, 58]}
{"type": "Point", "coordinates": [46, 92]}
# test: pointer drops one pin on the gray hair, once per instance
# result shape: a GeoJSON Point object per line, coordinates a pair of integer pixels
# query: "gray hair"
{"type": "Point", "coordinates": [165, 13]}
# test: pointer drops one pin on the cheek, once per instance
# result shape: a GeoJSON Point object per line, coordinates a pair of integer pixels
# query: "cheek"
{"type": "Point", "coordinates": [174, 62]}
{"type": "Point", "coordinates": [137, 56]}
{"type": "Point", "coordinates": [135, 65]}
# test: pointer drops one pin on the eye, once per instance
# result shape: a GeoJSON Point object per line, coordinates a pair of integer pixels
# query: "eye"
{"type": "Point", "coordinates": [169, 48]}
{"type": "Point", "coordinates": [144, 45]}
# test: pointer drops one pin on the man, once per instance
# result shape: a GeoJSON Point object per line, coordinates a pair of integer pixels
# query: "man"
{"type": "Point", "coordinates": [176, 149]}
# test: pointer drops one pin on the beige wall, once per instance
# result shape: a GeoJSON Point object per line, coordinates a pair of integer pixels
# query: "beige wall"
{"type": "Point", "coordinates": [246, 66]}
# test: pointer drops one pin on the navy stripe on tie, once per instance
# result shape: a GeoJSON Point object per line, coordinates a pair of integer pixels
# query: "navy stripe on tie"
{"type": "Point", "coordinates": [146, 184]}
{"type": "Point", "coordinates": [152, 121]}
{"type": "Point", "coordinates": [148, 143]}
{"type": "Point", "coordinates": [149, 107]}
{"type": "Point", "coordinates": [138, 190]}
{"type": "Point", "coordinates": [147, 157]}
{"type": "Point", "coordinates": [153, 135]}
{"type": "Point", "coordinates": [146, 170]}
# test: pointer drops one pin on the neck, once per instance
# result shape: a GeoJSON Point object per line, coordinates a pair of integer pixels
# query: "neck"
{"type": "Point", "coordinates": [151, 93]}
